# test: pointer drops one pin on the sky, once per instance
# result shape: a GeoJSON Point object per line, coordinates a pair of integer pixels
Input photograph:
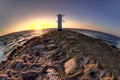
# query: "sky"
{"type": "Point", "coordinates": [100, 15]}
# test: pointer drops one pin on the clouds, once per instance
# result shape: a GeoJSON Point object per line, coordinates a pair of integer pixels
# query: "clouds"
{"type": "Point", "coordinates": [3, 20]}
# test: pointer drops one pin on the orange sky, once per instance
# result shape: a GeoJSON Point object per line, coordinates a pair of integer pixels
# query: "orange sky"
{"type": "Point", "coordinates": [43, 23]}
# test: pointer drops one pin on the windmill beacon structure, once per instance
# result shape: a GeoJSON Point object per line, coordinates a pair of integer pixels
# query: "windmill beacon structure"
{"type": "Point", "coordinates": [60, 22]}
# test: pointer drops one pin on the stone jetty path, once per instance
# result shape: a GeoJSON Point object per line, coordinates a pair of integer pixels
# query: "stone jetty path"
{"type": "Point", "coordinates": [62, 55]}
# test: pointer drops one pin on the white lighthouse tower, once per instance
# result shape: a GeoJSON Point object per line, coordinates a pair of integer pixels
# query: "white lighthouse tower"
{"type": "Point", "coordinates": [60, 22]}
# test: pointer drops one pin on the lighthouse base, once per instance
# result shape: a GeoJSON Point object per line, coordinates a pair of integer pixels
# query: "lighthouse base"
{"type": "Point", "coordinates": [59, 29]}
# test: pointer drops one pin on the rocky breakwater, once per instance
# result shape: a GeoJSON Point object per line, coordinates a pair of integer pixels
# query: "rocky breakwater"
{"type": "Point", "coordinates": [63, 55]}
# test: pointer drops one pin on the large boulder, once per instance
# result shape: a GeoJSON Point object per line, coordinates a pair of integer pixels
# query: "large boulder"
{"type": "Point", "coordinates": [71, 66]}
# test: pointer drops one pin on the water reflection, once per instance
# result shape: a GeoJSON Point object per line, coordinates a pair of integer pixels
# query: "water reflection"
{"type": "Point", "coordinates": [11, 41]}
{"type": "Point", "coordinates": [118, 44]}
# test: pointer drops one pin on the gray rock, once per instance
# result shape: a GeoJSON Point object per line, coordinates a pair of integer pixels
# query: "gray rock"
{"type": "Point", "coordinates": [18, 66]}
{"type": "Point", "coordinates": [4, 78]}
{"type": "Point", "coordinates": [25, 68]}
{"type": "Point", "coordinates": [35, 51]}
{"type": "Point", "coordinates": [71, 66]}
{"type": "Point", "coordinates": [40, 46]}
{"type": "Point", "coordinates": [41, 60]}
{"type": "Point", "coordinates": [32, 59]}
{"type": "Point", "coordinates": [51, 41]}
{"type": "Point", "coordinates": [35, 67]}
{"type": "Point", "coordinates": [52, 74]}
{"type": "Point", "coordinates": [65, 46]}
{"type": "Point", "coordinates": [51, 46]}
{"type": "Point", "coordinates": [71, 37]}
{"type": "Point", "coordinates": [74, 49]}
{"type": "Point", "coordinates": [50, 52]}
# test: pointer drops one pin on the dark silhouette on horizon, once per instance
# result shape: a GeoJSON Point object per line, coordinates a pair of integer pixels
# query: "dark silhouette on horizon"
{"type": "Point", "coordinates": [60, 22]}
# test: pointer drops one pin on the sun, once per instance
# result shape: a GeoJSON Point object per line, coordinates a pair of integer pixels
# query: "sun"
{"type": "Point", "coordinates": [38, 27]}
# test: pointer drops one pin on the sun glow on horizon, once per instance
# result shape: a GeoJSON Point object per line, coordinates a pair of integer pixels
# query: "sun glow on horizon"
{"type": "Point", "coordinates": [40, 24]}
{"type": "Point", "coordinates": [38, 27]}
{"type": "Point", "coordinates": [33, 24]}
{"type": "Point", "coordinates": [44, 23]}
{"type": "Point", "coordinates": [37, 24]}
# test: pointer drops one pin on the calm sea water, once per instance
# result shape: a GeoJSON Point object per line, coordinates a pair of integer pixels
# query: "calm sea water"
{"type": "Point", "coordinates": [109, 39]}
{"type": "Point", "coordinates": [11, 41]}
